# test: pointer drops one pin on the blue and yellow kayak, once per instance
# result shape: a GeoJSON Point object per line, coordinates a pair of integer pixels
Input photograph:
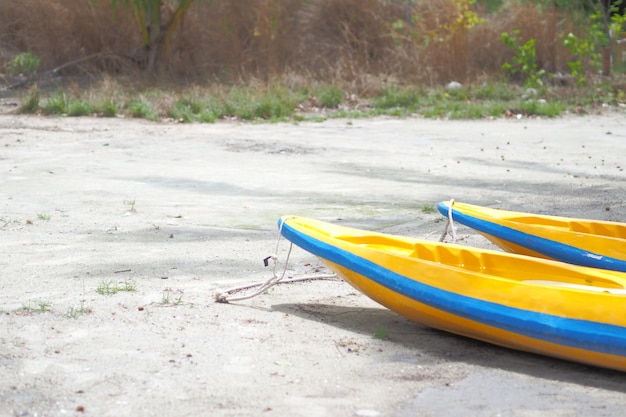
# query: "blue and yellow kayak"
{"type": "Point", "coordinates": [530, 304]}
{"type": "Point", "coordinates": [594, 243]}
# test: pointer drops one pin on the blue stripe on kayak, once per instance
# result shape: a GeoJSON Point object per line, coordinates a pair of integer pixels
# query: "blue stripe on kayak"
{"type": "Point", "coordinates": [583, 334]}
{"type": "Point", "coordinates": [550, 248]}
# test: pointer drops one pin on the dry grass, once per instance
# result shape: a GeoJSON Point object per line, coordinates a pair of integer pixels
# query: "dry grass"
{"type": "Point", "coordinates": [60, 31]}
{"type": "Point", "coordinates": [360, 45]}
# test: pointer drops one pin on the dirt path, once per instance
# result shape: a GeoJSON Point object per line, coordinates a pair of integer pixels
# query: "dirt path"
{"type": "Point", "coordinates": [176, 212]}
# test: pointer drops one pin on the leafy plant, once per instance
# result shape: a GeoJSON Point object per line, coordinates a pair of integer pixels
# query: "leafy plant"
{"type": "Point", "coordinates": [131, 204]}
{"type": "Point", "coordinates": [617, 21]}
{"type": "Point", "coordinates": [581, 49]}
{"type": "Point", "coordinates": [23, 64]}
{"type": "Point", "coordinates": [524, 62]}
{"type": "Point", "coordinates": [605, 23]}
{"type": "Point", "coordinates": [464, 16]}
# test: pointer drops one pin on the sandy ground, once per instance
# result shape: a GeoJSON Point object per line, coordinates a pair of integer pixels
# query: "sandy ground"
{"type": "Point", "coordinates": [176, 212]}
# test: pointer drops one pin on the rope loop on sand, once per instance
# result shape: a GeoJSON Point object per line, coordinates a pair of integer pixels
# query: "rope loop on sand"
{"type": "Point", "coordinates": [227, 296]}
{"type": "Point", "coordinates": [449, 224]}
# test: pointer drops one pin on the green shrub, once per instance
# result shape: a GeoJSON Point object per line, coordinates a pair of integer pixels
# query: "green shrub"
{"type": "Point", "coordinates": [57, 103]}
{"type": "Point", "coordinates": [329, 96]}
{"type": "Point", "coordinates": [108, 108]}
{"type": "Point", "coordinates": [524, 62]}
{"type": "Point", "coordinates": [139, 108]}
{"type": "Point", "coordinates": [77, 107]}
{"type": "Point", "coordinates": [23, 64]}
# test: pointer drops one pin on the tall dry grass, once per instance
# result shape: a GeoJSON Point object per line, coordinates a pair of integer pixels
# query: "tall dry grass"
{"type": "Point", "coordinates": [60, 31]}
{"type": "Point", "coordinates": [363, 43]}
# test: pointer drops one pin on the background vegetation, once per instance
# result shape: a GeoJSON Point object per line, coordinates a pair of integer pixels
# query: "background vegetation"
{"type": "Point", "coordinates": [193, 59]}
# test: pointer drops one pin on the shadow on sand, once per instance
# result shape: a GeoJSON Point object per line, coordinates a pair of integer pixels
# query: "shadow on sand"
{"type": "Point", "coordinates": [442, 346]}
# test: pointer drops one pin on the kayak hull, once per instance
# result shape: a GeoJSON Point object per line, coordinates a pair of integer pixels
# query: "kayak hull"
{"type": "Point", "coordinates": [592, 243]}
{"type": "Point", "coordinates": [437, 285]}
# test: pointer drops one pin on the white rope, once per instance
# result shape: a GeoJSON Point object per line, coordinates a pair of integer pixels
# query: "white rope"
{"type": "Point", "coordinates": [226, 296]}
{"type": "Point", "coordinates": [449, 224]}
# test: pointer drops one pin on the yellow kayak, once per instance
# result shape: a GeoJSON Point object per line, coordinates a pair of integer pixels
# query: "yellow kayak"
{"type": "Point", "coordinates": [594, 243]}
{"type": "Point", "coordinates": [535, 305]}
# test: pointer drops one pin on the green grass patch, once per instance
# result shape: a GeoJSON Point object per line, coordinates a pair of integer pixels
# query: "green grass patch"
{"type": "Point", "coordinates": [107, 108]}
{"type": "Point", "coordinates": [77, 107]}
{"type": "Point", "coordinates": [30, 104]}
{"type": "Point", "coordinates": [75, 312]}
{"type": "Point", "coordinates": [329, 96]}
{"type": "Point", "coordinates": [428, 208]}
{"type": "Point", "coordinates": [56, 104]}
{"type": "Point", "coordinates": [140, 108]}
{"type": "Point", "coordinates": [38, 306]}
{"type": "Point", "coordinates": [540, 108]}
{"type": "Point", "coordinates": [188, 110]}
{"type": "Point", "coordinates": [111, 288]}
{"type": "Point", "coordinates": [274, 103]}
{"type": "Point", "coordinates": [494, 92]}
{"type": "Point", "coordinates": [391, 98]}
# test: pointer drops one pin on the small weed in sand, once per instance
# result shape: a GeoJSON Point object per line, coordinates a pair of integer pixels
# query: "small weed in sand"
{"type": "Point", "coordinates": [75, 312]}
{"type": "Point", "coordinates": [110, 287]}
{"type": "Point", "coordinates": [44, 216]}
{"type": "Point", "coordinates": [130, 203]}
{"type": "Point", "coordinates": [172, 297]}
{"type": "Point", "coordinates": [428, 208]}
{"type": "Point", "coordinates": [381, 334]}
{"type": "Point", "coordinates": [38, 306]}
{"type": "Point", "coordinates": [10, 223]}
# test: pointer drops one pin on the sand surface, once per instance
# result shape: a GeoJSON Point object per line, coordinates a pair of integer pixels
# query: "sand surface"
{"type": "Point", "coordinates": [177, 212]}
